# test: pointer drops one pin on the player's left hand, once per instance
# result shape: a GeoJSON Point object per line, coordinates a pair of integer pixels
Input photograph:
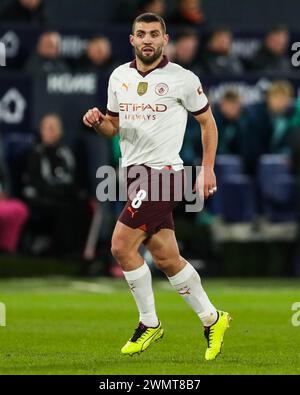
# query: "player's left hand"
{"type": "Point", "coordinates": [206, 183]}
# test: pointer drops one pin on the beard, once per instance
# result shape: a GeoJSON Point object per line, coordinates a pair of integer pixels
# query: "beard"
{"type": "Point", "coordinates": [148, 59]}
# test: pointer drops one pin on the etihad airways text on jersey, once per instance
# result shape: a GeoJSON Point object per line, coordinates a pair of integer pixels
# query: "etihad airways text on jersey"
{"type": "Point", "coordinates": [135, 107]}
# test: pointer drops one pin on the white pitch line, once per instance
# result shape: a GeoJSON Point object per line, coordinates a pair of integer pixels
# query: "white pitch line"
{"type": "Point", "coordinates": [92, 287]}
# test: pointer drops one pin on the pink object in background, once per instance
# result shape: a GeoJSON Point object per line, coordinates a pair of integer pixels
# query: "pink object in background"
{"type": "Point", "coordinates": [13, 215]}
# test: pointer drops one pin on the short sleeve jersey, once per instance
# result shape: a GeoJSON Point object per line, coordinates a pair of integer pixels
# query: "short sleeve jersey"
{"type": "Point", "coordinates": [153, 109]}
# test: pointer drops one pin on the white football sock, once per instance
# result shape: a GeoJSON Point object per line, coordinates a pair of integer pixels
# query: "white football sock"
{"type": "Point", "coordinates": [188, 284]}
{"type": "Point", "coordinates": [140, 283]}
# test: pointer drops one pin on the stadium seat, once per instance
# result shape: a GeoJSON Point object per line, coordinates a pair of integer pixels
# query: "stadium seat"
{"type": "Point", "coordinates": [238, 201]}
{"type": "Point", "coordinates": [225, 165]}
{"type": "Point", "coordinates": [277, 188]}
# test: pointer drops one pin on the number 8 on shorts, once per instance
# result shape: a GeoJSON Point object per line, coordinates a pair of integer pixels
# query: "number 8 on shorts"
{"type": "Point", "coordinates": [138, 200]}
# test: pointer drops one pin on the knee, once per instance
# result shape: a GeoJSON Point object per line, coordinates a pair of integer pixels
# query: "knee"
{"type": "Point", "coordinates": [119, 249]}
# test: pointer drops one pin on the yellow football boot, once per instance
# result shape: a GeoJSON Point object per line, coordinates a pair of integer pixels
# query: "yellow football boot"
{"type": "Point", "coordinates": [142, 338]}
{"type": "Point", "coordinates": [214, 335]}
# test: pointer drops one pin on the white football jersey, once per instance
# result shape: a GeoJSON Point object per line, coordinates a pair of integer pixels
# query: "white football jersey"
{"type": "Point", "coordinates": [153, 109]}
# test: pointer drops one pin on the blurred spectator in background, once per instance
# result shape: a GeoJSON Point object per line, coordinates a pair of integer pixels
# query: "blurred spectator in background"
{"type": "Point", "coordinates": [232, 124]}
{"type": "Point", "coordinates": [97, 57]}
{"type": "Point", "coordinates": [24, 11]}
{"type": "Point", "coordinates": [188, 12]}
{"type": "Point", "coordinates": [170, 51]}
{"type": "Point", "coordinates": [13, 213]}
{"type": "Point", "coordinates": [186, 51]}
{"type": "Point", "coordinates": [154, 6]}
{"type": "Point", "coordinates": [52, 191]}
{"type": "Point", "coordinates": [129, 10]}
{"type": "Point", "coordinates": [284, 115]}
{"type": "Point", "coordinates": [217, 59]}
{"type": "Point", "coordinates": [46, 58]}
{"type": "Point", "coordinates": [273, 121]}
{"type": "Point", "coordinates": [272, 56]}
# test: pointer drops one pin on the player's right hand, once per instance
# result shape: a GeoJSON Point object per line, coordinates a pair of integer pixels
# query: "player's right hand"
{"type": "Point", "coordinates": [93, 118]}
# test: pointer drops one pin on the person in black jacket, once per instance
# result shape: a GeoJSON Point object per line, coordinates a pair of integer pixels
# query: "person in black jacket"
{"type": "Point", "coordinates": [52, 191]}
{"type": "Point", "coordinates": [218, 59]}
{"type": "Point", "coordinates": [272, 57]}
{"type": "Point", "coordinates": [188, 13]}
{"type": "Point", "coordinates": [186, 51]}
{"type": "Point", "coordinates": [154, 6]}
{"type": "Point", "coordinates": [46, 58]}
{"type": "Point", "coordinates": [232, 124]}
{"type": "Point", "coordinates": [97, 57]}
{"type": "Point", "coordinates": [24, 11]}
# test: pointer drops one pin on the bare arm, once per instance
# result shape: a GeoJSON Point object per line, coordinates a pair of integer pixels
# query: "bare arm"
{"type": "Point", "coordinates": [107, 125]}
{"type": "Point", "coordinates": [209, 144]}
{"type": "Point", "coordinates": [209, 137]}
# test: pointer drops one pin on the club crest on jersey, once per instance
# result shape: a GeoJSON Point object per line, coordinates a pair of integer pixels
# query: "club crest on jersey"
{"type": "Point", "coordinates": [161, 89]}
{"type": "Point", "coordinates": [142, 88]}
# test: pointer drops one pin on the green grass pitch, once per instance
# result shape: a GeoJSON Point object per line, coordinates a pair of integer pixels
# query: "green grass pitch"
{"type": "Point", "coordinates": [74, 326]}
